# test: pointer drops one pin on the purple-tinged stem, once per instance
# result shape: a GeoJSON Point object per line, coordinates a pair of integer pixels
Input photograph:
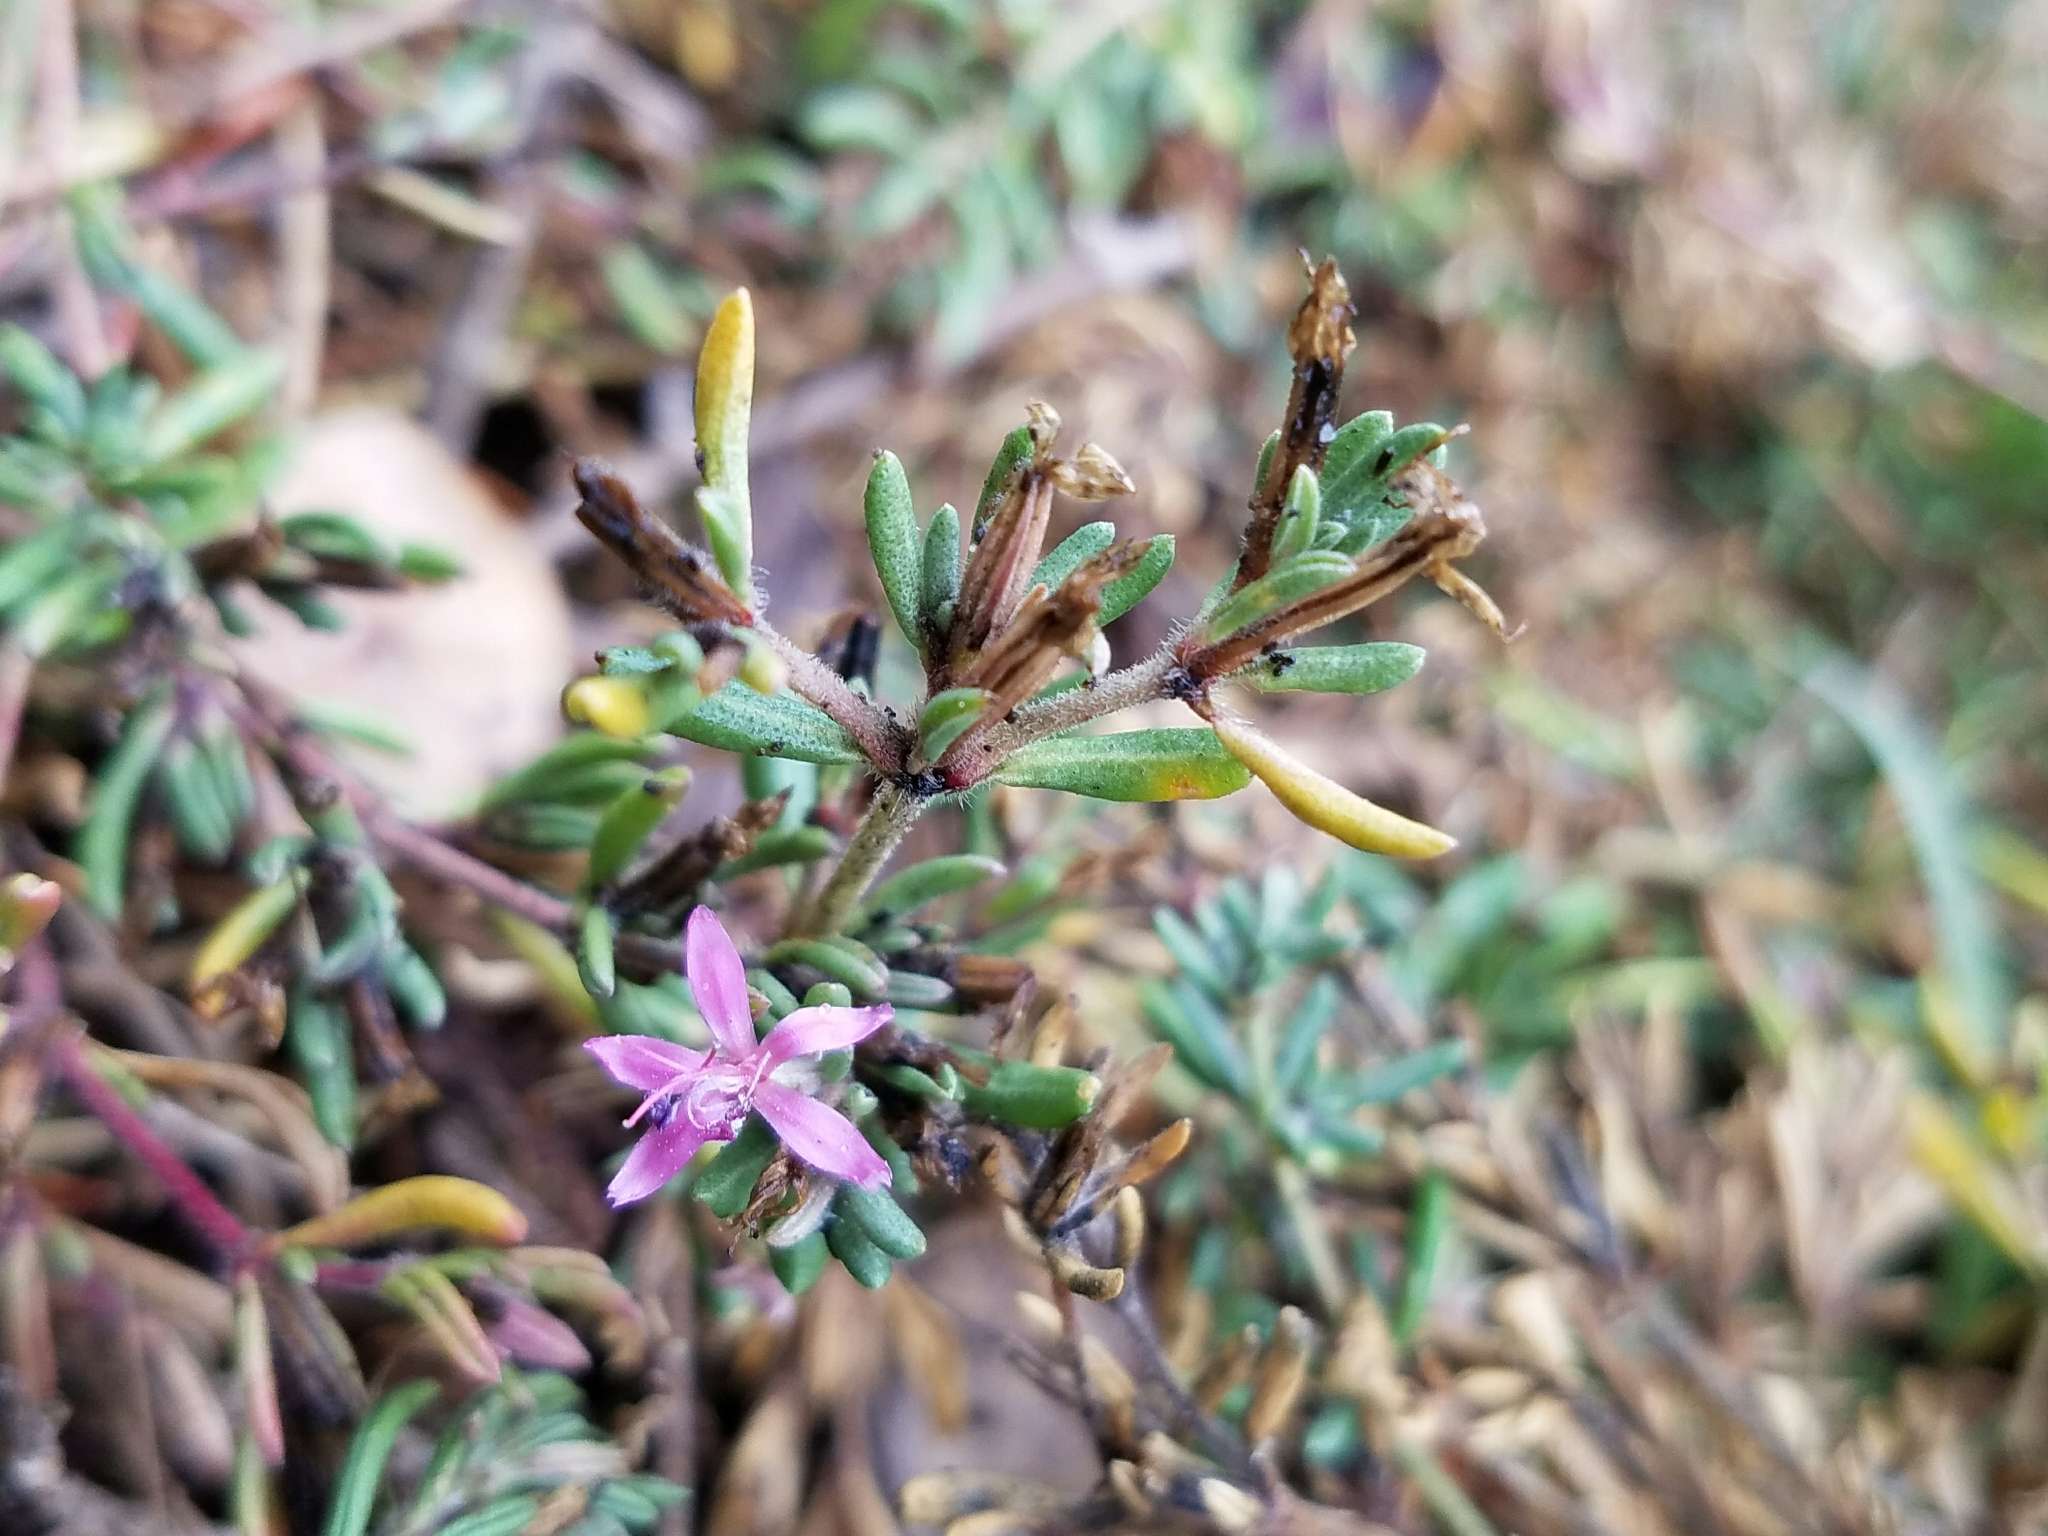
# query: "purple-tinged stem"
{"type": "Point", "coordinates": [186, 1191]}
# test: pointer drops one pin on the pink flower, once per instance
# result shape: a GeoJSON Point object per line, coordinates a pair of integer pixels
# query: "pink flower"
{"type": "Point", "coordinates": [699, 1096]}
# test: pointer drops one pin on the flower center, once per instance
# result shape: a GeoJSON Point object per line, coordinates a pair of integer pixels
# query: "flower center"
{"type": "Point", "coordinates": [715, 1100]}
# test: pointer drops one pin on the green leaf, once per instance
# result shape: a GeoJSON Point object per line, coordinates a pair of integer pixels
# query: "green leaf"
{"type": "Point", "coordinates": [947, 716]}
{"type": "Point", "coordinates": [1305, 1029]}
{"type": "Point", "coordinates": [1388, 1081]}
{"type": "Point", "coordinates": [414, 987]}
{"type": "Point", "coordinates": [852, 1247]}
{"type": "Point", "coordinates": [1363, 459]}
{"type": "Point", "coordinates": [1938, 826]}
{"type": "Point", "coordinates": [1136, 584]}
{"type": "Point", "coordinates": [1369, 668]}
{"type": "Point", "coordinates": [907, 890]}
{"type": "Point", "coordinates": [1281, 587]}
{"type": "Point", "coordinates": [629, 820]}
{"type": "Point", "coordinates": [737, 719]}
{"type": "Point", "coordinates": [1297, 531]}
{"type": "Point", "coordinates": [565, 769]}
{"type": "Point", "coordinates": [1197, 961]}
{"type": "Point", "coordinates": [1041, 1098]}
{"type": "Point", "coordinates": [501, 1517]}
{"type": "Point", "coordinates": [645, 297]}
{"type": "Point", "coordinates": [727, 1182]}
{"type": "Point", "coordinates": [1168, 763]}
{"type": "Point", "coordinates": [319, 1040]}
{"type": "Point", "coordinates": [858, 117]}
{"type": "Point", "coordinates": [1351, 455]}
{"type": "Point", "coordinates": [837, 959]}
{"type": "Point", "coordinates": [725, 404]}
{"type": "Point", "coordinates": [893, 541]}
{"type": "Point", "coordinates": [42, 379]}
{"type": "Point", "coordinates": [1015, 452]}
{"type": "Point", "coordinates": [103, 841]}
{"type": "Point", "coordinates": [336, 536]}
{"type": "Point", "coordinates": [204, 822]}
{"type": "Point", "coordinates": [900, 196]}
{"type": "Point", "coordinates": [941, 571]}
{"type": "Point", "coordinates": [881, 1220]}
{"type": "Point", "coordinates": [362, 1472]}
{"type": "Point", "coordinates": [1199, 1034]}
{"type": "Point", "coordinates": [595, 961]}
{"type": "Point", "coordinates": [1428, 1221]}
{"type": "Point", "coordinates": [1067, 556]}
{"type": "Point", "coordinates": [781, 845]}
{"type": "Point", "coordinates": [212, 402]}
{"type": "Point", "coordinates": [799, 1264]}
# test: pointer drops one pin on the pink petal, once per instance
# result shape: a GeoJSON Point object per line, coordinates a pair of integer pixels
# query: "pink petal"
{"type": "Point", "coordinates": [820, 1135]}
{"type": "Point", "coordinates": [645, 1062]}
{"type": "Point", "coordinates": [719, 983]}
{"type": "Point", "coordinates": [656, 1158]}
{"type": "Point", "coordinates": [813, 1031]}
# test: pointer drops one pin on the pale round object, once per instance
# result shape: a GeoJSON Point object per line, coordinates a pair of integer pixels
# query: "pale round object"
{"type": "Point", "coordinates": [470, 672]}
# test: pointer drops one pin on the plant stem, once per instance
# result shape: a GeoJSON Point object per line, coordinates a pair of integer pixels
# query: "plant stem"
{"type": "Point", "coordinates": [441, 860]}
{"type": "Point", "coordinates": [186, 1191]}
{"type": "Point", "coordinates": [1139, 683]}
{"type": "Point", "coordinates": [881, 740]}
{"type": "Point", "coordinates": [1324, 1272]}
{"type": "Point", "coordinates": [888, 817]}
{"type": "Point", "coordinates": [16, 670]}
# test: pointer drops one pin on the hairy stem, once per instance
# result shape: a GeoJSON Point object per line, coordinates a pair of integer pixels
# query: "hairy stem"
{"type": "Point", "coordinates": [881, 740]}
{"type": "Point", "coordinates": [889, 816]}
{"type": "Point", "coordinates": [1139, 683]}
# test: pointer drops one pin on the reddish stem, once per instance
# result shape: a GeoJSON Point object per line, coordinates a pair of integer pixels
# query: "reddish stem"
{"type": "Point", "coordinates": [188, 1194]}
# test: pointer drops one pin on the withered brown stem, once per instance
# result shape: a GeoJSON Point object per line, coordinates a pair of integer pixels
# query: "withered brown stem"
{"type": "Point", "coordinates": [1320, 339]}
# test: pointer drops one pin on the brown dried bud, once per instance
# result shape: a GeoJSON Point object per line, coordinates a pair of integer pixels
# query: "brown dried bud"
{"type": "Point", "coordinates": [1049, 1039]}
{"type": "Point", "coordinates": [680, 577]}
{"type": "Point", "coordinates": [985, 981]}
{"type": "Point", "coordinates": [1320, 339]}
{"type": "Point", "coordinates": [1084, 1279]}
{"type": "Point", "coordinates": [1128, 1210]}
{"type": "Point", "coordinates": [1283, 1370]}
{"type": "Point", "coordinates": [1093, 474]}
{"type": "Point", "coordinates": [1425, 546]}
{"type": "Point", "coordinates": [1043, 423]}
{"type": "Point", "coordinates": [1152, 1158]}
{"type": "Point", "coordinates": [999, 570]}
{"type": "Point", "coordinates": [1228, 1369]}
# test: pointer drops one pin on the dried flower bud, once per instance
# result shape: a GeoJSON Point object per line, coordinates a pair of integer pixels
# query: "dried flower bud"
{"type": "Point", "coordinates": [1043, 422]}
{"type": "Point", "coordinates": [1085, 1279]}
{"type": "Point", "coordinates": [1093, 474]}
{"type": "Point", "coordinates": [1229, 1368]}
{"type": "Point", "coordinates": [1320, 340]}
{"type": "Point", "coordinates": [1283, 1370]}
{"type": "Point", "coordinates": [1128, 1209]}
{"type": "Point", "coordinates": [680, 578]}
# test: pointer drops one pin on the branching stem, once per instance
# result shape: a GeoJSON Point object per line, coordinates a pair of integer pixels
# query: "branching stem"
{"type": "Point", "coordinates": [888, 817]}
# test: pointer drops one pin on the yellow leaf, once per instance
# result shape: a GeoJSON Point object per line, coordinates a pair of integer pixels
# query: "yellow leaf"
{"type": "Point", "coordinates": [616, 706]}
{"type": "Point", "coordinates": [241, 932]}
{"type": "Point", "coordinates": [1983, 1191]}
{"type": "Point", "coordinates": [725, 402]}
{"type": "Point", "coordinates": [434, 1201]}
{"type": "Point", "coordinates": [1324, 803]}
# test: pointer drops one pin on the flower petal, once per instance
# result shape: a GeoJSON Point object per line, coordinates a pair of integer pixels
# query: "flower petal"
{"type": "Point", "coordinates": [656, 1158]}
{"type": "Point", "coordinates": [719, 983]}
{"type": "Point", "coordinates": [646, 1062]}
{"type": "Point", "coordinates": [814, 1031]}
{"type": "Point", "coordinates": [820, 1135]}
